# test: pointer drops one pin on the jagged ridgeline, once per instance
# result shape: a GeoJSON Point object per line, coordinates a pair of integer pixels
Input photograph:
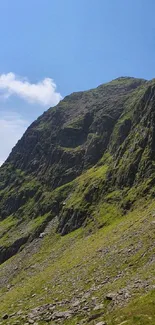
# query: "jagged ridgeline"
{"type": "Point", "coordinates": [94, 151]}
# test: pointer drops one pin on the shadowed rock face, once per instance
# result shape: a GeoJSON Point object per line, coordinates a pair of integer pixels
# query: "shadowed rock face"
{"type": "Point", "coordinates": [112, 125]}
{"type": "Point", "coordinates": [73, 135]}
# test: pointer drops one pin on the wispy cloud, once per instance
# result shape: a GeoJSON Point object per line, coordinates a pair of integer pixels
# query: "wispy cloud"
{"type": "Point", "coordinates": [44, 92]}
{"type": "Point", "coordinates": [12, 127]}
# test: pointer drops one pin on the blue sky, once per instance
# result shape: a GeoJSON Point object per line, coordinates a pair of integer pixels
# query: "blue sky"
{"type": "Point", "coordinates": [50, 48]}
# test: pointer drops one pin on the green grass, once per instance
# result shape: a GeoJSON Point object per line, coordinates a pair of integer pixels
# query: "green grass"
{"type": "Point", "coordinates": [140, 311]}
{"type": "Point", "coordinates": [66, 264]}
{"type": "Point", "coordinates": [93, 177]}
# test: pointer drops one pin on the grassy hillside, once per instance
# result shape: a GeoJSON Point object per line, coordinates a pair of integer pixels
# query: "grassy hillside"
{"type": "Point", "coordinates": [103, 273]}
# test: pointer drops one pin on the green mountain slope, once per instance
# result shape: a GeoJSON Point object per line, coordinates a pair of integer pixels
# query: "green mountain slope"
{"type": "Point", "coordinates": [77, 211]}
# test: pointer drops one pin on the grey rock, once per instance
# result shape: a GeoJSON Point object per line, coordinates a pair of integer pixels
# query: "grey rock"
{"type": "Point", "coordinates": [42, 235]}
{"type": "Point", "coordinates": [76, 303]}
{"type": "Point", "coordinates": [62, 314]}
{"type": "Point", "coordinates": [31, 321]}
{"type": "Point", "coordinates": [99, 307]}
{"type": "Point", "coordinates": [110, 296]}
{"type": "Point", "coordinates": [5, 316]}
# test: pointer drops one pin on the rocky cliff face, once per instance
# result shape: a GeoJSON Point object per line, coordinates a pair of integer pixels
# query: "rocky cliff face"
{"type": "Point", "coordinates": [73, 136]}
{"type": "Point", "coordinates": [109, 131]}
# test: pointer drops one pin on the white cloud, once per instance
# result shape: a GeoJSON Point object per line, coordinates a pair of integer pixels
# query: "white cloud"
{"type": "Point", "coordinates": [43, 92]}
{"type": "Point", "coordinates": [12, 127]}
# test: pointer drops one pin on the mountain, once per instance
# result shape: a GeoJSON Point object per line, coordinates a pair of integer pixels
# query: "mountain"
{"type": "Point", "coordinates": [77, 211]}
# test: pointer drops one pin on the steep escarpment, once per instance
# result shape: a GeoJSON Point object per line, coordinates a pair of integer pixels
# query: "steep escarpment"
{"type": "Point", "coordinates": [60, 143]}
{"type": "Point", "coordinates": [75, 155]}
{"type": "Point", "coordinates": [86, 165]}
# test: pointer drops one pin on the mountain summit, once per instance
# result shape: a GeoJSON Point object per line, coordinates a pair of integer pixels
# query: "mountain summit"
{"type": "Point", "coordinates": [77, 211]}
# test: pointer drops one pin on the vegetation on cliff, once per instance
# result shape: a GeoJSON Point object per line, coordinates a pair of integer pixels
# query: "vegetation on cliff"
{"type": "Point", "coordinates": [77, 211]}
